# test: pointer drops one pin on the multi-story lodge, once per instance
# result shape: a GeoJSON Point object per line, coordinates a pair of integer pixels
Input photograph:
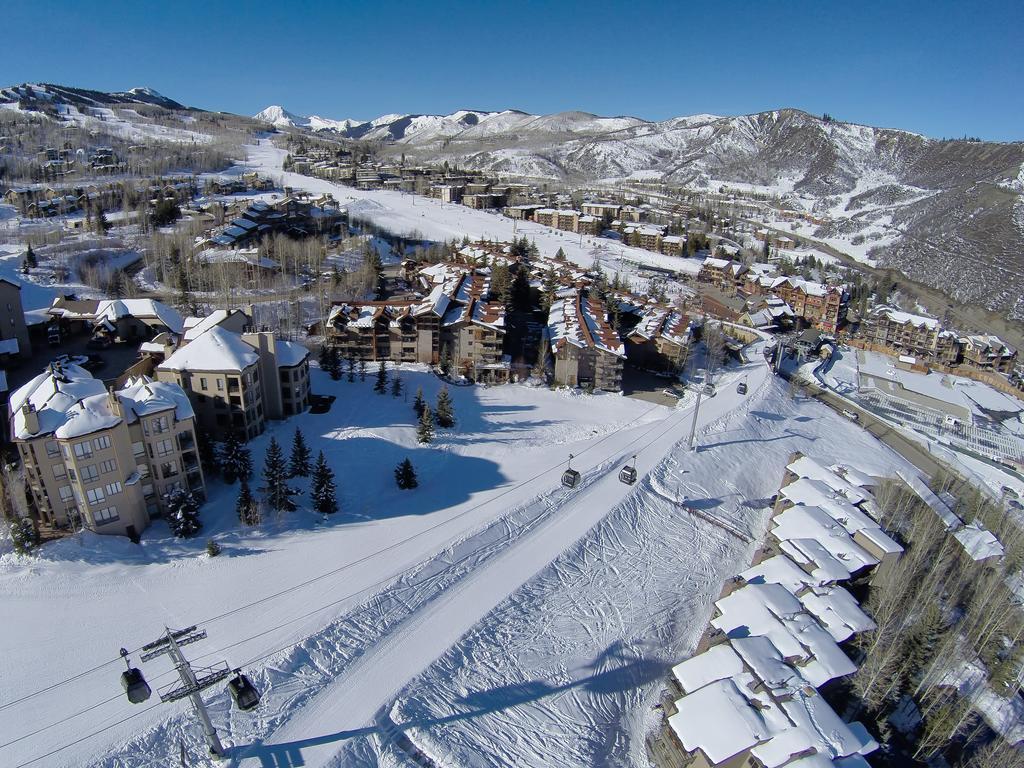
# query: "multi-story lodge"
{"type": "Point", "coordinates": [987, 352]}
{"type": "Point", "coordinates": [586, 349]}
{"type": "Point", "coordinates": [456, 318]}
{"type": "Point", "coordinates": [102, 459]}
{"type": "Point", "coordinates": [913, 334]}
{"type": "Point", "coordinates": [122, 319]}
{"type": "Point", "coordinates": [660, 341]}
{"type": "Point", "coordinates": [820, 305]}
{"type": "Point", "coordinates": [237, 379]}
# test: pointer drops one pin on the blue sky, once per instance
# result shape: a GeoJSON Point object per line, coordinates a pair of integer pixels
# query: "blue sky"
{"type": "Point", "coordinates": [940, 68]}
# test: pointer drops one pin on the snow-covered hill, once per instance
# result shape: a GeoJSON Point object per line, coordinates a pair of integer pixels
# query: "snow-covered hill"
{"type": "Point", "coordinates": [282, 118]}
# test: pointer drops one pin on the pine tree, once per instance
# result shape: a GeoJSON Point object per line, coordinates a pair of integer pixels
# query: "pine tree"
{"type": "Point", "coordinates": [446, 362]}
{"type": "Point", "coordinates": [277, 492]}
{"type": "Point", "coordinates": [351, 368]}
{"type": "Point", "coordinates": [425, 431]}
{"type": "Point", "coordinates": [182, 513]}
{"type": "Point", "coordinates": [445, 413]}
{"type": "Point", "coordinates": [30, 258]}
{"type": "Point", "coordinates": [298, 466]}
{"type": "Point", "coordinates": [362, 369]}
{"type": "Point", "coordinates": [247, 508]}
{"type": "Point", "coordinates": [322, 489]}
{"type": "Point", "coordinates": [235, 459]}
{"type": "Point", "coordinates": [396, 386]}
{"type": "Point", "coordinates": [419, 403]}
{"type": "Point", "coordinates": [212, 548]}
{"type": "Point", "coordinates": [24, 535]}
{"type": "Point", "coordinates": [334, 364]}
{"type": "Point", "coordinates": [324, 358]}
{"type": "Point", "coordinates": [381, 385]}
{"type": "Point", "coordinates": [207, 454]}
{"type": "Point", "coordinates": [405, 476]}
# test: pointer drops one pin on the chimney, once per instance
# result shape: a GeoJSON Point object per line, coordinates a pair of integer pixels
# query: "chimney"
{"type": "Point", "coordinates": [31, 418]}
{"type": "Point", "coordinates": [113, 403]}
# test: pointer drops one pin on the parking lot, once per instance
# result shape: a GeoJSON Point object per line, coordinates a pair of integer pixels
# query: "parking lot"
{"type": "Point", "coordinates": [109, 363]}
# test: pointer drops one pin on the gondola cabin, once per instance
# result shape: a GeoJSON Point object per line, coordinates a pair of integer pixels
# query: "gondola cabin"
{"type": "Point", "coordinates": [135, 685]}
{"type": "Point", "coordinates": [570, 478]}
{"type": "Point", "coordinates": [742, 387]}
{"type": "Point", "coordinates": [243, 692]}
{"type": "Point", "coordinates": [627, 475]}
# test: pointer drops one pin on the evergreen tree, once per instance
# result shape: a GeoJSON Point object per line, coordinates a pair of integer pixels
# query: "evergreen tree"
{"type": "Point", "coordinates": [277, 492]}
{"type": "Point", "coordinates": [298, 466]}
{"type": "Point", "coordinates": [322, 489]}
{"type": "Point", "coordinates": [548, 288]}
{"type": "Point", "coordinates": [31, 261]}
{"type": "Point", "coordinates": [446, 362]}
{"type": "Point", "coordinates": [419, 403]}
{"type": "Point", "coordinates": [102, 225]}
{"type": "Point", "coordinates": [396, 386]}
{"type": "Point", "coordinates": [362, 369]}
{"type": "Point", "coordinates": [334, 364]}
{"type": "Point", "coordinates": [247, 508]}
{"type": "Point", "coordinates": [212, 548]}
{"type": "Point", "coordinates": [324, 358]}
{"type": "Point", "coordinates": [24, 535]}
{"type": "Point", "coordinates": [425, 431]}
{"type": "Point", "coordinates": [235, 459]}
{"type": "Point", "coordinates": [445, 413]}
{"type": "Point", "coordinates": [560, 254]}
{"type": "Point", "coordinates": [207, 454]}
{"type": "Point", "coordinates": [521, 290]}
{"type": "Point", "coordinates": [405, 476]}
{"type": "Point", "coordinates": [381, 385]}
{"type": "Point", "coordinates": [351, 368]}
{"type": "Point", "coordinates": [182, 513]}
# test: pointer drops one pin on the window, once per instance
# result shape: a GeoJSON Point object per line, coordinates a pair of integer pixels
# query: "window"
{"type": "Point", "coordinates": [66, 493]}
{"type": "Point", "coordinates": [89, 473]}
{"type": "Point", "coordinates": [169, 469]}
{"type": "Point", "coordinates": [95, 495]}
{"type": "Point", "coordinates": [147, 490]}
{"type": "Point", "coordinates": [220, 385]}
{"type": "Point", "coordinates": [59, 473]}
{"type": "Point", "coordinates": [142, 469]}
{"type": "Point", "coordinates": [113, 488]}
{"type": "Point", "coordinates": [160, 424]}
{"type": "Point", "coordinates": [107, 466]}
{"type": "Point", "coordinates": [83, 450]}
{"type": "Point", "coordinates": [105, 515]}
{"type": "Point", "coordinates": [138, 449]}
{"type": "Point", "coordinates": [101, 443]}
{"type": "Point", "coordinates": [52, 449]}
{"type": "Point", "coordinates": [202, 384]}
{"type": "Point", "coordinates": [164, 447]}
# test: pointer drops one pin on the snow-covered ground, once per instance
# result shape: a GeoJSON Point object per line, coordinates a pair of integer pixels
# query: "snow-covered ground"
{"type": "Point", "coordinates": [411, 215]}
{"type": "Point", "coordinates": [566, 607]}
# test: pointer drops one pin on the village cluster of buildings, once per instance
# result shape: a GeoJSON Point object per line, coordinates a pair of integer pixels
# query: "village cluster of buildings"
{"type": "Point", "coordinates": [756, 692]}
{"type": "Point", "coordinates": [758, 296]}
{"type": "Point", "coordinates": [44, 200]}
{"type": "Point", "coordinates": [104, 459]}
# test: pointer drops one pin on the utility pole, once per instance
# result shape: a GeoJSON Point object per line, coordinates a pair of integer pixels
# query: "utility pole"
{"type": "Point", "coordinates": [693, 425]}
{"type": "Point", "coordinates": [191, 685]}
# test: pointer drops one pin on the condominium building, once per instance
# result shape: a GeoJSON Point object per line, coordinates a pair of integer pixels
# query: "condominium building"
{"type": "Point", "coordinates": [236, 381]}
{"type": "Point", "coordinates": [586, 349]}
{"type": "Point", "coordinates": [913, 334]}
{"type": "Point", "coordinates": [101, 459]}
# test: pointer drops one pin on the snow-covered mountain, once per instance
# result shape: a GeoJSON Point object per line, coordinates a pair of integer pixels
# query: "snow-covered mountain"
{"type": "Point", "coordinates": [39, 95]}
{"type": "Point", "coordinates": [282, 118]}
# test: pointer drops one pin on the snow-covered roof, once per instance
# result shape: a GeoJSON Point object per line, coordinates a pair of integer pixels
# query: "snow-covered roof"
{"type": "Point", "coordinates": [801, 523]}
{"type": "Point", "coordinates": [289, 353]}
{"type": "Point", "coordinates": [197, 326]}
{"type": "Point", "coordinates": [903, 318]}
{"type": "Point", "coordinates": [581, 322]}
{"type": "Point", "coordinates": [70, 403]}
{"type": "Point", "coordinates": [143, 397]}
{"type": "Point", "coordinates": [114, 309]}
{"type": "Point", "coordinates": [978, 542]}
{"type": "Point", "coordinates": [939, 507]}
{"type": "Point", "coordinates": [717, 663]}
{"type": "Point", "coordinates": [215, 350]}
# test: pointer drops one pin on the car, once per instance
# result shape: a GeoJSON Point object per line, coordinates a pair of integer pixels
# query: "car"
{"type": "Point", "coordinates": [851, 415]}
{"type": "Point", "coordinates": [709, 390]}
